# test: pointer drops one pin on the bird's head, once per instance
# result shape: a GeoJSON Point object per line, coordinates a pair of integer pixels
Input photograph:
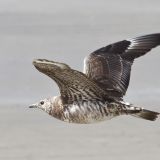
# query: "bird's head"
{"type": "Point", "coordinates": [45, 105]}
{"type": "Point", "coordinates": [52, 106]}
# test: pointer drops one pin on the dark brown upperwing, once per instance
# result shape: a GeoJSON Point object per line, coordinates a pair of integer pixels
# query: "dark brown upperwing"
{"type": "Point", "coordinates": [110, 66]}
{"type": "Point", "coordinates": [74, 86]}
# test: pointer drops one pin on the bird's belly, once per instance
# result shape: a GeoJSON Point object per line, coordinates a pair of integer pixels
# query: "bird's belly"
{"type": "Point", "coordinates": [87, 113]}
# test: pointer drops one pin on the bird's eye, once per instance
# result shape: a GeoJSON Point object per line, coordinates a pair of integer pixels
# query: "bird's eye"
{"type": "Point", "coordinates": [42, 102]}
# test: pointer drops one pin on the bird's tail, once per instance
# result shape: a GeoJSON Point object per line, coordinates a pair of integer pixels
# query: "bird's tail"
{"type": "Point", "coordinates": [144, 114]}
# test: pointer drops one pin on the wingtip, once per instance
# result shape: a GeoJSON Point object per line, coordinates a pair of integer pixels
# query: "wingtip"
{"type": "Point", "coordinates": [44, 63]}
{"type": "Point", "coordinates": [38, 61]}
{"type": "Point", "coordinates": [34, 61]}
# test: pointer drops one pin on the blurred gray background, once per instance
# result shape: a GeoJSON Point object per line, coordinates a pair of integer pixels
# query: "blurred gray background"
{"type": "Point", "coordinates": [67, 31]}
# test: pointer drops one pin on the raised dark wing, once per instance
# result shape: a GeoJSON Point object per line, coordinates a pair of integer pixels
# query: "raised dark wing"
{"type": "Point", "coordinates": [74, 86]}
{"type": "Point", "coordinates": [110, 66]}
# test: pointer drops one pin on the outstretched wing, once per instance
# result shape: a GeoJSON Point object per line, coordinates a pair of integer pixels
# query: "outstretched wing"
{"type": "Point", "coordinates": [74, 86]}
{"type": "Point", "coordinates": [110, 66]}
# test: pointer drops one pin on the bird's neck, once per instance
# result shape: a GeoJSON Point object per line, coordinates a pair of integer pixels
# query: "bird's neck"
{"type": "Point", "coordinates": [57, 108]}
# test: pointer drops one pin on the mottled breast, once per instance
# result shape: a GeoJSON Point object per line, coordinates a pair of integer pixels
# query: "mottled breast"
{"type": "Point", "coordinates": [88, 112]}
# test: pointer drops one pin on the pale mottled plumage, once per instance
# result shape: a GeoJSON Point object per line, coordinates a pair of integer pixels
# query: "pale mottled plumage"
{"type": "Point", "coordinates": [97, 94]}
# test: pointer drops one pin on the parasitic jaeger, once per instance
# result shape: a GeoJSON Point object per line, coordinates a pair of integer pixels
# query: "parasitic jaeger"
{"type": "Point", "coordinates": [97, 93]}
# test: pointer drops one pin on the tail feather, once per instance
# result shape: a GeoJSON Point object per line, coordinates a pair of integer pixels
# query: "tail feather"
{"type": "Point", "coordinates": [146, 114]}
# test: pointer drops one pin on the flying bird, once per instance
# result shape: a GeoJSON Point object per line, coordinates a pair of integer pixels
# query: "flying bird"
{"type": "Point", "coordinates": [97, 93]}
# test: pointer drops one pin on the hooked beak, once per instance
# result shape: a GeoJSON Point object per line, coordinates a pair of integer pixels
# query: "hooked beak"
{"type": "Point", "coordinates": [33, 106]}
